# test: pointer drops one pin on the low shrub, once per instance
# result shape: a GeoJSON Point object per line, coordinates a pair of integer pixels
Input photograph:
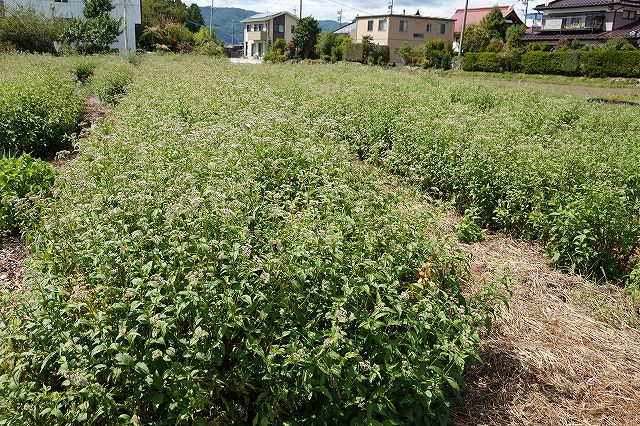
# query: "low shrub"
{"type": "Point", "coordinates": [110, 83]}
{"type": "Point", "coordinates": [84, 70]}
{"type": "Point", "coordinates": [21, 177]}
{"type": "Point", "coordinates": [367, 53]}
{"type": "Point", "coordinates": [37, 112]}
{"type": "Point", "coordinates": [608, 63]}
{"type": "Point", "coordinates": [561, 63]}
{"type": "Point", "coordinates": [26, 30]}
{"type": "Point", "coordinates": [484, 61]}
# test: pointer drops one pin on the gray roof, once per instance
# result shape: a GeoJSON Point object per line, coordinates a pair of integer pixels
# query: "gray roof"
{"type": "Point", "coordinates": [346, 29]}
{"type": "Point", "coordinates": [266, 16]}
{"type": "Point", "coordinates": [561, 4]}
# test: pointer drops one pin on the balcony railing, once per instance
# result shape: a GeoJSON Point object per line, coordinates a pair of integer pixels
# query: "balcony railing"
{"type": "Point", "coordinates": [591, 23]}
{"type": "Point", "coordinates": [257, 35]}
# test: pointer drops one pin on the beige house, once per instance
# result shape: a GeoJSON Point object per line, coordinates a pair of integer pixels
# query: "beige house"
{"type": "Point", "coordinates": [397, 30]}
{"type": "Point", "coordinates": [261, 30]}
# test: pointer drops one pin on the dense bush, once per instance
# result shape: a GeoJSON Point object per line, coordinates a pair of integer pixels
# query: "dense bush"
{"type": "Point", "coordinates": [26, 30]}
{"type": "Point", "coordinates": [484, 61]}
{"type": "Point", "coordinates": [603, 63]}
{"type": "Point", "coordinates": [37, 112]}
{"type": "Point", "coordinates": [331, 46]}
{"type": "Point", "coordinates": [562, 63]}
{"type": "Point", "coordinates": [20, 177]}
{"type": "Point", "coordinates": [84, 70]}
{"type": "Point", "coordinates": [367, 53]}
{"type": "Point", "coordinates": [110, 83]}
{"type": "Point", "coordinates": [208, 263]}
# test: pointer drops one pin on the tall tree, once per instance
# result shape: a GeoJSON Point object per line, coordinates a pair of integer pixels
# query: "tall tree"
{"type": "Point", "coordinates": [305, 35]}
{"type": "Point", "coordinates": [494, 23]}
{"type": "Point", "coordinates": [193, 19]}
{"type": "Point", "coordinates": [162, 12]}
{"type": "Point", "coordinates": [96, 31]}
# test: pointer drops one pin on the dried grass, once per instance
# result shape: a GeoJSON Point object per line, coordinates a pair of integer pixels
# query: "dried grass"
{"type": "Point", "coordinates": [547, 361]}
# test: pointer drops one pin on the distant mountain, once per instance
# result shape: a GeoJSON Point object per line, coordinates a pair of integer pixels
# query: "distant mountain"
{"type": "Point", "coordinates": [223, 17]}
{"type": "Point", "coordinates": [329, 25]}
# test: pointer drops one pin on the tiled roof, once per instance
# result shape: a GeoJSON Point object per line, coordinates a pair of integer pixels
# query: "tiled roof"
{"type": "Point", "coordinates": [265, 16]}
{"type": "Point", "coordinates": [475, 15]}
{"type": "Point", "coordinates": [630, 31]}
{"type": "Point", "coordinates": [562, 4]}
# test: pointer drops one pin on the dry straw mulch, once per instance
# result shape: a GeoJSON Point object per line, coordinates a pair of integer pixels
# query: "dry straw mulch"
{"type": "Point", "coordinates": [547, 360]}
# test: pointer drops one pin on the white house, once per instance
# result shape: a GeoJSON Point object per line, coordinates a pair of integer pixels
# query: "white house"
{"type": "Point", "coordinates": [264, 28]}
{"type": "Point", "coordinates": [128, 10]}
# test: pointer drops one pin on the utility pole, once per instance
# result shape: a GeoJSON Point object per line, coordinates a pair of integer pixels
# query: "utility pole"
{"type": "Point", "coordinates": [300, 9]}
{"type": "Point", "coordinates": [526, 11]}
{"type": "Point", "coordinates": [390, 7]}
{"type": "Point", "coordinates": [464, 24]}
{"type": "Point", "coordinates": [126, 29]}
{"type": "Point", "coordinates": [340, 17]}
{"type": "Point", "coordinates": [211, 24]}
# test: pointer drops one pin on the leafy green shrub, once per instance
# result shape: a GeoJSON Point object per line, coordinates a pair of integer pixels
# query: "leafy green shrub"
{"type": "Point", "coordinates": [484, 61]}
{"type": "Point", "coordinates": [29, 31]}
{"type": "Point", "coordinates": [603, 63]}
{"type": "Point", "coordinates": [37, 112]}
{"type": "Point", "coordinates": [20, 177]}
{"type": "Point", "coordinates": [367, 53]}
{"type": "Point", "coordinates": [615, 44]}
{"type": "Point", "coordinates": [468, 231]}
{"type": "Point", "coordinates": [562, 63]}
{"type": "Point", "coordinates": [110, 83]}
{"type": "Point", "coordinates": [330, 46]}
{"type": "Point", "coordinates": [84, 70]}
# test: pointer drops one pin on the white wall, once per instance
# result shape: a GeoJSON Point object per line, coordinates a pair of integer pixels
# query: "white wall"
{"type": "Point", "coordinates": [73, 8]}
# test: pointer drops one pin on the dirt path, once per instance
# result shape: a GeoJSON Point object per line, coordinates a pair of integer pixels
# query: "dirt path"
{"type": "Point", "coordinates": [548, 361]}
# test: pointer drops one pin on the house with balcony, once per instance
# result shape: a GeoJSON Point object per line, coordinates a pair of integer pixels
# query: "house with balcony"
{"type": "Point", "coordinates": [261, 30]}
{"type": "Point", "coordinates": [397, 30]}
{"type": "Point", "coordinates": [588, 21]}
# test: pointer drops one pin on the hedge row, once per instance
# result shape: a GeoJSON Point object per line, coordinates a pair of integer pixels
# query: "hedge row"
{"type": "Point", "coordinates": [367, 53]}
{"type": "Point", "coordinates": [591, 63]}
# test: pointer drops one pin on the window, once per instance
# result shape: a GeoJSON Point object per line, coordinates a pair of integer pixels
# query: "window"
{"type": "Point", "coordinates": [629, 14]}
{"type": "Point", "coordinates": [428, 28]}
{"type": "Point", "coordinates": [255, 27]}
{"type": "Point", "coordinates": [442, 28]}
{"type": "Point", "coordinates": [382, 25]}
{"type": "Point", "coordinates": [418, 35]}
{"type": "Point", "coordinates": [370, 25]}
{"type": "Point", "coordinates": [404, 26]}
{"type": "Point", "coordinates": [61, 1]}
{"type": "Point", "coordinates": [280, 28]}
{"type": "Point", "coordinates": [293, 29]}
{"type": "Point", "coordinates": [260, 27]}
{"type": "Point", "coordinates": [249, 28]}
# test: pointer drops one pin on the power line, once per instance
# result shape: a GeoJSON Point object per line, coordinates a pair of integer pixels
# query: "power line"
{"type": "Point", "coordinates": [348, 7]}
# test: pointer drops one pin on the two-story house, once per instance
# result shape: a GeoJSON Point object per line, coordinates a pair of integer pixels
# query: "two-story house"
{"type": "Point", "coordinates": [127, 10]}
{"type": "Point", "coordinates": [588, 21]}
{"type": "Point", "coordinates": [261, 30]}
{"type": "Point", "coordinates": [396, 30]}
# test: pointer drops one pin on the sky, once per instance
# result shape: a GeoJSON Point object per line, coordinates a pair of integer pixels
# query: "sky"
{"type": "Point", "coordinates": [328, 9]}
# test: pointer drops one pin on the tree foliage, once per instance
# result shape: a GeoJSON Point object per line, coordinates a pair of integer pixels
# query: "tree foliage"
{"type": "Point", "coordinates": [331, 46]}
{"type": "Point", "coordinates": [476, 38]}
{"type": "Point", "coordinates": [96, 30]}
{"type": "Point", "coordinates": [26, 30]}
{"type": "Point", "coordinates": [494, 23]}
{"type": "Point", "coordinates": [514, 36]}
{"type": "Point", "coordinates": [193, 18]}
{"type": "Point", "coordinates": [305, 36]}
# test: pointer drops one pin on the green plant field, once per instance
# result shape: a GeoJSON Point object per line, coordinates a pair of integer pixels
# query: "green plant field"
{"type": "Point", "coordinates": [213, 255]}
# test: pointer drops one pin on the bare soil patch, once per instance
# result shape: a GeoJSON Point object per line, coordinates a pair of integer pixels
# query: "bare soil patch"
{"type": "Point", "coordinates": [12, 253]}
{"type": "Point", "coordinates": [547, 360]}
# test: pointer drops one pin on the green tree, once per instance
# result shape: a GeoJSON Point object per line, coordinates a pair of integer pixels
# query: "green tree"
{"type": "Point", "coordinates": [616, 43]}
{"type": "Point", "coordinates": [96, 31]}
{"type": "Point", "coordinates": [514, 36]}
{"type": "Point", "coordinates": [476, 39]}
{"type": "Point", "coordinates": [331, 46]}
{"type": "Point", "coordinates": [305, 36]}
{"type": "Point", "coordinates": [162, 12]}
{"type": "Point", "coordinates": [193, 18]}
{"type": "Point", "coordinates": [494, 23]}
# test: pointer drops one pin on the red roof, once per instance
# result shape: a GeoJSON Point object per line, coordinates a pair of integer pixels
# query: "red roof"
{"type": "Point", "coordinates": [475, 15]}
